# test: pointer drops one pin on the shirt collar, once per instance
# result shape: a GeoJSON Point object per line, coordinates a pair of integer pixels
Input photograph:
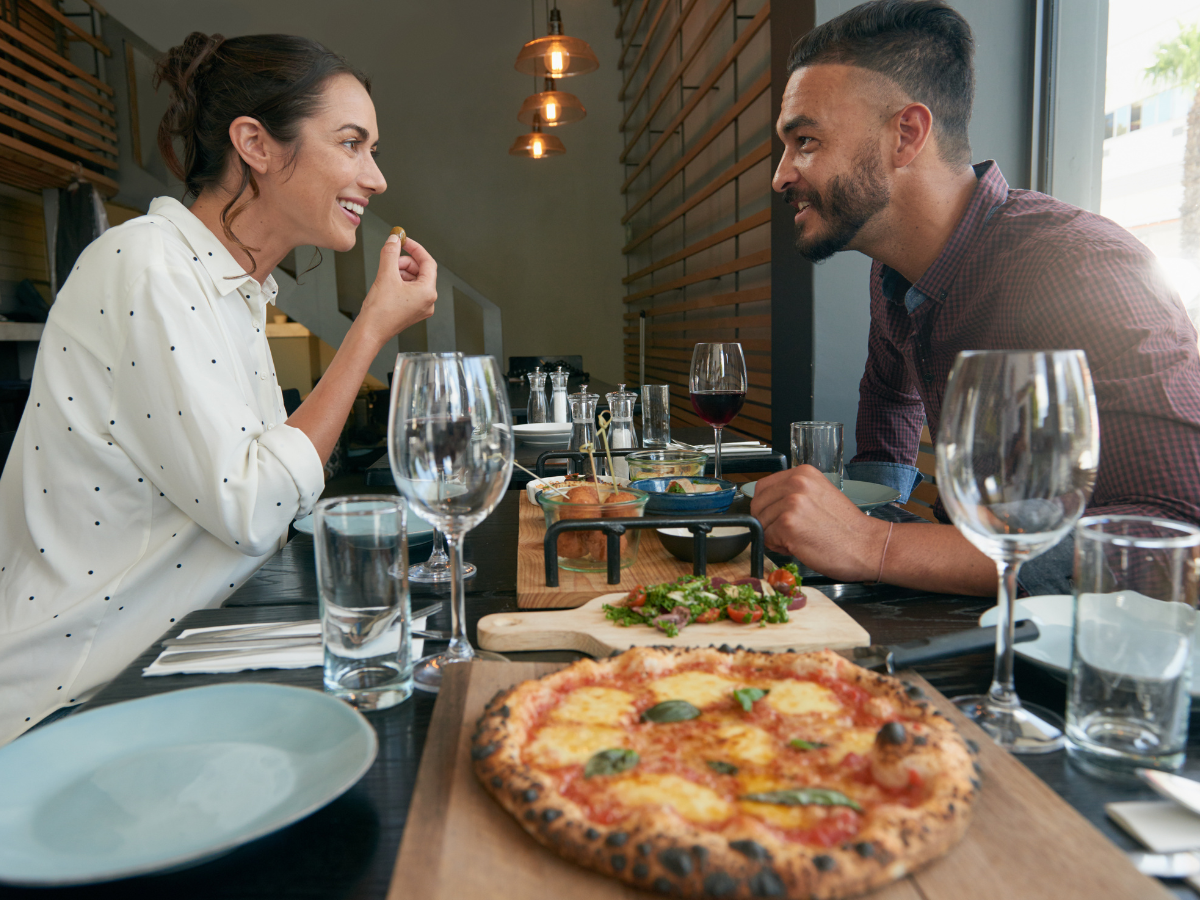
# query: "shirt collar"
{"type": "Point", "coordinates": [990, 192]}
{"type": "Point", "coordinates": [218, 262]}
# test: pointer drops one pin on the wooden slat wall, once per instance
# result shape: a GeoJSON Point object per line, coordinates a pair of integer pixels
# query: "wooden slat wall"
{"type": "Point", "coordinates": [696, 136]}
{"type": "Point", "coordinates": [56, 118]}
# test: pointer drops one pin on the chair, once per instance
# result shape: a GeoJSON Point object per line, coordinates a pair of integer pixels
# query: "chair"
{"type": "Point", "coordinates": [6, 442]}
{"type": "Point", "coordinates": [925, 494]}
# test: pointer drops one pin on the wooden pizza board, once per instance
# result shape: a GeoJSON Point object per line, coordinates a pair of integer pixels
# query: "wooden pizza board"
{"type": "Point", "coordinates": [820, 624]}
{"type": "Point", "coordinates": [654, 565]}
{"type": "Point", "coordinates": [1025, 841]}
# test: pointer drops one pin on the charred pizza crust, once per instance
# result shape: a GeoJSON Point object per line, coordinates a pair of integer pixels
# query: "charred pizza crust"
{"type": "Point", "coordinates": [652, 847]}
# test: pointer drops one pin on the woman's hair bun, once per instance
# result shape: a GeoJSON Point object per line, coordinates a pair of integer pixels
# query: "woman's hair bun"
{"type": "Point", "coordinates": [182, 69]}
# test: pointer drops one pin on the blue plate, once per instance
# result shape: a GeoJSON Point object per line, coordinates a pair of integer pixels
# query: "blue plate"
{"type": "Point", "coordinates": [171, 780]}
{"type": "Point", "coordinates": [665, 504]}
{"type": "Point", "coordinates": [419, 531]}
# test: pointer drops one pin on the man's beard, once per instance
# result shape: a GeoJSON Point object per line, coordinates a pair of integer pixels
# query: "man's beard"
{"type": "Point", "coordinates": [848, 206]}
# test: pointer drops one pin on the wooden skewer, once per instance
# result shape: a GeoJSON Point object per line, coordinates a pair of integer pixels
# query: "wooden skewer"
{"type": "Point", "coordinates": [554, 487]}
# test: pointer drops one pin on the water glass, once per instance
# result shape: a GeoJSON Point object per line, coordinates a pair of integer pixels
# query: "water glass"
{"type": "Point", "coordinates": [364, 607]}
{"type": "Point", "coordinates": [1135, 620]}
{"type": "Point", "coordinates": [819, 444]}
{"type": "Point", "coordinates": [656, 415]}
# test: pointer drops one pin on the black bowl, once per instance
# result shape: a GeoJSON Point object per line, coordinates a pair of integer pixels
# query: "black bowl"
{"type": "Point", "coordinates": [724, 542]}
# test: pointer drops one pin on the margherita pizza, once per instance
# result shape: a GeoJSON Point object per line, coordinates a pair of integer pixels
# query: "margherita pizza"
{"type": "Point", "coordinates": [729, 773]}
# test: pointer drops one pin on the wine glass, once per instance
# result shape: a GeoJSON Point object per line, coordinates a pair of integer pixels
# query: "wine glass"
{"type": "Point", "coordinates": [450, 443]}
{"type": "Point", "coordinates": [717, 384]}
{"type": "Point", "coordinates": [1016, 459]}
{"type": "Point", "coordinates": [436, 569]}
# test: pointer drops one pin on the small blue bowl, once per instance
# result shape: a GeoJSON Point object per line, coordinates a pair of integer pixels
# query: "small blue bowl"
{"type": "Point", "coordinates": [664, 504]}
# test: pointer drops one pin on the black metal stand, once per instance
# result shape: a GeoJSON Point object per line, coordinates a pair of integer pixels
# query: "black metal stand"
{"type": "Point", "coordinates": [573, 456]}
{"type": "Point", "coordinates": [700, 526]}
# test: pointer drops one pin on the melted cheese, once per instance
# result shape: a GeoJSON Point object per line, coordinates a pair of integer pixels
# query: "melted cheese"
{"type": "Point", "coordinates": [694, 802]}
{"type": "Point", "coordinates": [745, 743]}
{"type": "Point", "coordinates": [853, 740]}
{"type": "Point", "coordinates": [797, 698]}
{"type": "Point", "coordinates": [594, 706]}
{"type": "Point", "coordinates": [700, 689]}
{"type": "Point", "coordinates": [563, 745]}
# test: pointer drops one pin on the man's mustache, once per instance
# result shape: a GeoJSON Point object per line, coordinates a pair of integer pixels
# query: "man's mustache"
{"type": "Point", "coordinates": [795, 195]}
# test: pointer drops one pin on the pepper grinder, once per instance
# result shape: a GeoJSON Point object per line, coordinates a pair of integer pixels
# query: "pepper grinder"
{"type": "Point", "coordinates": [536, 410]}
{"type": "Point", "coordinates": [621, 435]}
{"type": "Point", "coordinates": [583, 429]}
{"type": "Point", "coordinates": [558, 400]}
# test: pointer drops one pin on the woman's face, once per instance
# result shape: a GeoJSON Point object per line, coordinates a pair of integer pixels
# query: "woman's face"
{"type": "Point", "coordinates": [321, 198]}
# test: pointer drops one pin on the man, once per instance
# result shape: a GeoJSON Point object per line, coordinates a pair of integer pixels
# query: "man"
{"type": "Point", "coordinates": [874, 124]}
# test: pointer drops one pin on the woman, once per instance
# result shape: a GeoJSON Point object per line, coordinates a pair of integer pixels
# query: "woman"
{"type": "Point", "coordinates": [153, 471]}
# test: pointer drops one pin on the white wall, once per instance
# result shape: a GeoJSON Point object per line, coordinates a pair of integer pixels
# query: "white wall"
{"type": "Point", "coordinates": [541, 239]}
{"type": "Point", "coordinates": [999, 131]}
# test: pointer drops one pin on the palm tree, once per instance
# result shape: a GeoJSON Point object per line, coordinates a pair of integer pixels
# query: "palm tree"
{"type": "Point", "coordinates": [1178, 62]}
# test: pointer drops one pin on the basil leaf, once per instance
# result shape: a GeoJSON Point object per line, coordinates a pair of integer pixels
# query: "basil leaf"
{"type": "Point", "coordinates": [747, 696]}
{"type": "Point", "coordinates": [670, 711]}
{"type": "Point", "coordinates": [610, 762]}
{"type": "Point", "coordinates": [722, 768]}
{"type": "Point", "coordinates": [800, 744]}
{"type": "Point", "coordinates": [803, 797]}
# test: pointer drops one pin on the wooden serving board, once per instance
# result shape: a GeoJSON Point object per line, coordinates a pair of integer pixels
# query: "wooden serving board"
{"type": "Point", "coordinates": [654, 565]}
{"type": "Point", "coordinates": [821, 623]}
{"type": "Point", "coordinates": [1025, 841]}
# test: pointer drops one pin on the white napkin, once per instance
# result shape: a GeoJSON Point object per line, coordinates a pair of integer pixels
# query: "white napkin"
{"type": "Point", "coordinates": [1162, 826]}
{"type": "Point", "coordinates": [253, 654]}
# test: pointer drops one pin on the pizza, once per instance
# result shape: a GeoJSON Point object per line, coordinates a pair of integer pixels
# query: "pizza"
{"type": "Point", "coordinates": [729, 773]}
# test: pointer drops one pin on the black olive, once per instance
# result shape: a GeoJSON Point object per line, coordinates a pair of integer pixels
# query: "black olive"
{"type": "Point", "coordinates": [676, 861]}
{"type": "Point", "coordinates": [751, 849]}
{"type": "Point", "coordinates": [892, 733]}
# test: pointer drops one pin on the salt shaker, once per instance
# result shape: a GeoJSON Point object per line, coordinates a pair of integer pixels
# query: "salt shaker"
{"type": "Point", "coordinates": [621, 435]}
{"type": "Point", "coordinates": [583, 428]}
{"type": "Point", "coordinates": [558, 400]}
{"type": "Point", "coordinates": [536, 410]}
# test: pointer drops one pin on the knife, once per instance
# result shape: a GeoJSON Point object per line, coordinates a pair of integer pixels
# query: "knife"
{"type": "Point", "coordinates": [890, 657]}
{"type": "Point", "coordinates": [1183, 791]}
{"type": "Point", "coordinates": [239, 633]}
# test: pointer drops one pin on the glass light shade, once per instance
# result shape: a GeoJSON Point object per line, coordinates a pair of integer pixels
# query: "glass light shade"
{"type": "Point", "coordinates": [556, 56]}
{"type": "Point", "coordinates": [551, 108]}
{"type": "Point", "coordinates": [537, 145]}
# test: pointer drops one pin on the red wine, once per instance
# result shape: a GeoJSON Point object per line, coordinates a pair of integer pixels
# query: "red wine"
{"type": "Point", "coordinates": [718, 408]}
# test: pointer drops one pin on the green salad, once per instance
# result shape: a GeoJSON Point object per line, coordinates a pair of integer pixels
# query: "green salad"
{"type": "Point", "coordinates": [672, 606]}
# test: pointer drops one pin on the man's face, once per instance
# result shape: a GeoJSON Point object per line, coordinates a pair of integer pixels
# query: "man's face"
{"type": "Point", "coordinates": [832, 171]}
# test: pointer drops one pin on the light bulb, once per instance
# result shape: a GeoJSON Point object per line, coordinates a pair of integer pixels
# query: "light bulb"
{"type": "Point", "coordinates": [537, 148]}
{"type": "Point", "coordinates": [557, 60]}
{"type": "Point", "coordinates": [550, 113]}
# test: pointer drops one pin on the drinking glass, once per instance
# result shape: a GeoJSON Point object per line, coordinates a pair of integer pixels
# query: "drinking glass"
{"type": "Point", "coordinates": [717, 384]}
{"type": "Point", "coordinates": [819, 444]}
{"type": "Point", "coordinates": [656, 416]}
{"type": "Point", "coordinates": [1016, 459]}
{"type": "Point", "coordinates": [1135, 623]}
{"type": "Point", "coordinates": [450, 443]}
{"type": "Point", "coordinates": [364, 612]}
{"type": "Point", "coordinates": [436, 569]}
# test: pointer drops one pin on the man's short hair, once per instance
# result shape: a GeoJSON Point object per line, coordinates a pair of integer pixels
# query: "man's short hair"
{"type": "Point", "coordinates": [924, 46]}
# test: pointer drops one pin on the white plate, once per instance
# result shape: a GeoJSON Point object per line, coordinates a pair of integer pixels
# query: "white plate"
{"type": "Point", "coordinates": [1054, 615]}
{"type": "Point", "coordinates": [172, 779]}
{"type": "Point", "coordinates": [418, 528]}
{"type": "Point", "coordinates": [534, 487]}
{"type": "Point", "coordinates": [865, 494]}
{"type": "Point", "coordinates": [544, 434]}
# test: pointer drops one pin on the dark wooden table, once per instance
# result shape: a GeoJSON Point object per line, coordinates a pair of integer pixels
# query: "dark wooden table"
{"type": "Point", "coordinates": [348, 849]}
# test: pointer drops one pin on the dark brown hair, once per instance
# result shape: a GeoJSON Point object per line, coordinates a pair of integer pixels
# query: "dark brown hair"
{"type": "Point", "coordinates": [277, 79]}
{"type": "Point", "coordinates": [924, 46]}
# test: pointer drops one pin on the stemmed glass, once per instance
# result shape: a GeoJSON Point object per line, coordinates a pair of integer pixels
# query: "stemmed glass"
{"type": "Point", "coordinates": [717, 385]}
{"type": "Point", "coordinates": [1016, 459]}
{"type": "Point", "coordinates": [436, 569]}
{"type": "Point", "coordinates": [450, 444]}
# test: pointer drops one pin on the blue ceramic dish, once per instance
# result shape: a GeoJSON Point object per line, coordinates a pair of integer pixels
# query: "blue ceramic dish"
{"type": "Point", "coordinates": [664, 504]}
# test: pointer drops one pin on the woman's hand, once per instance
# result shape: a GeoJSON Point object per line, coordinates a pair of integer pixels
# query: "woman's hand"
{"type": "Point", "coordinates": [404, 291]}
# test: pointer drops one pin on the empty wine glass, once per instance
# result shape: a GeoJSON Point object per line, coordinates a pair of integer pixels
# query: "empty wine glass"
{"type": "Point", "coordinates": [450, 444]}
{"type": "Point", "coordinates": [717, 385]}
{"type": "Point", "coordinates": [1016, 459]}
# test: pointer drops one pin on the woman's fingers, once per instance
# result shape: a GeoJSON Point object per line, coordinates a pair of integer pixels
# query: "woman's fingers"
{"type": "Point", "coordinates": [426, 266]}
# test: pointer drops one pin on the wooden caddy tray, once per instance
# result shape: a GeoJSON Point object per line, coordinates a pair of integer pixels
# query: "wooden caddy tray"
{"type": "Point", "coordinates": [654, 565]}
{"type": "Point", "coordinates": [1025, 841]}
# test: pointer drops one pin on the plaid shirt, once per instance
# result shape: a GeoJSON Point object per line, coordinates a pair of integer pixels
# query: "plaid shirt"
{"type": "Point", "coordinates": [1025, 271]}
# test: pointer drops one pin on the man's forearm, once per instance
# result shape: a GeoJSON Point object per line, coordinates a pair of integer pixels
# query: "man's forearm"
{"type": "Point", "coordinates": [937, 558]}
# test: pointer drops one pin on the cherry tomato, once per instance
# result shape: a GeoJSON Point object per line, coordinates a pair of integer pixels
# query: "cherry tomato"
{"type": "Point", "coordinates": [637, 597]}
{"type": "Point", "coordinates": [743, 614]}
{"type": "Point", "coordinates": [781, 578]}
{"type": "Point", "coordinates": [709, 615]}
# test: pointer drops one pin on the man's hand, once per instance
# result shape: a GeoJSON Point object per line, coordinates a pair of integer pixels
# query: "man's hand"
{"type": "Point", "coordinates": [404, 291]}
{"type": "Point", "coordinates": [805, 516]}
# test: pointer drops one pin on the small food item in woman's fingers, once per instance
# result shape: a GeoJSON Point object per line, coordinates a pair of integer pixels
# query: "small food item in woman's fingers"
{"type": "Point", "coordinates": [403, 235]}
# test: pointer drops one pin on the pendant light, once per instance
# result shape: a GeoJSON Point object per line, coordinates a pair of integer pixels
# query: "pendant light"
{"type": "Point", "coordinates": [536, 145]}
{"type": "Point", "coordinates": [556, 55]}
{"type": "Point", "coordinates": [551, 107]}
